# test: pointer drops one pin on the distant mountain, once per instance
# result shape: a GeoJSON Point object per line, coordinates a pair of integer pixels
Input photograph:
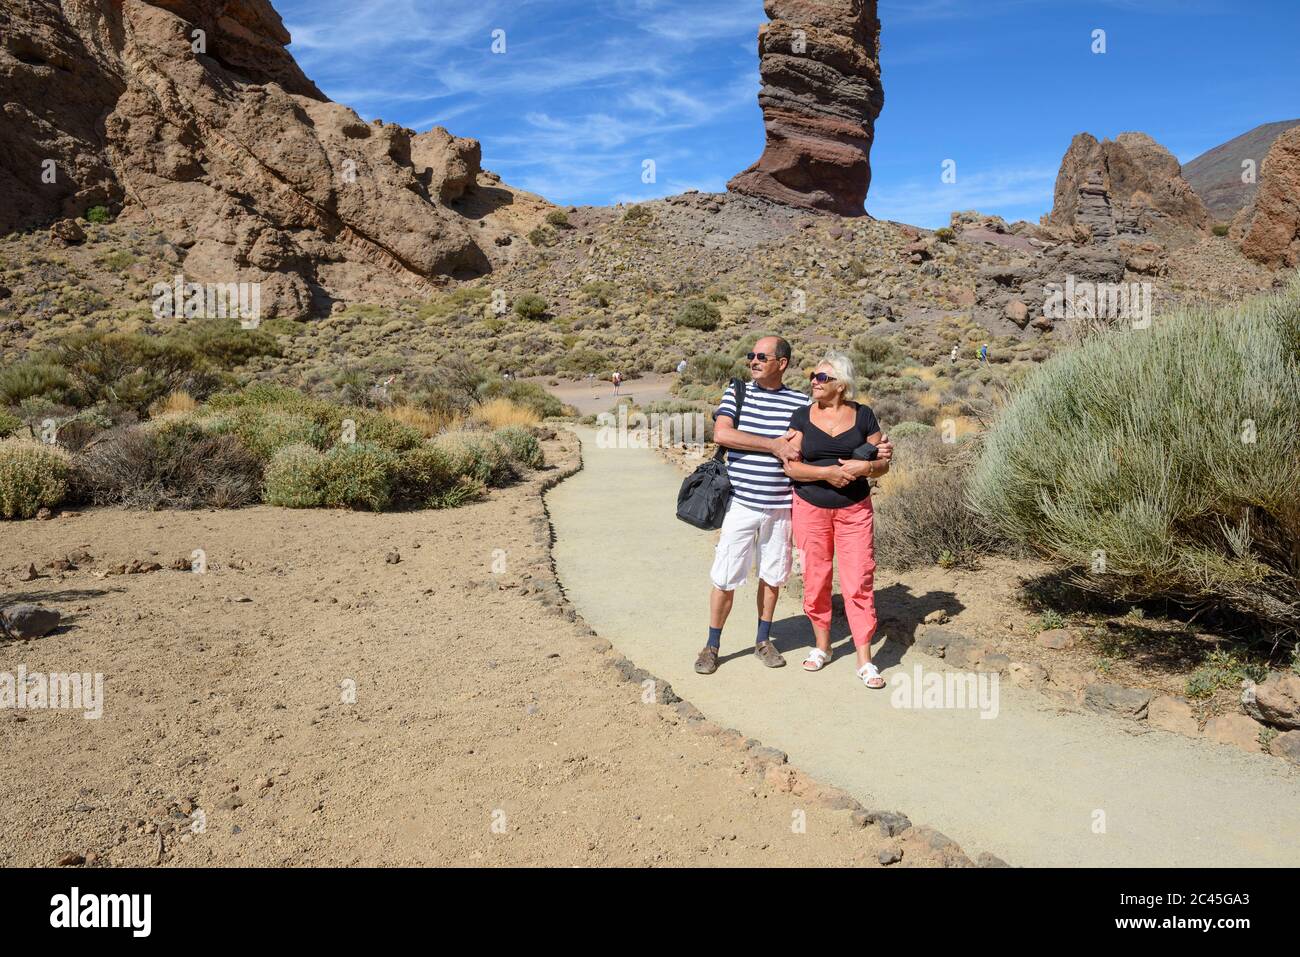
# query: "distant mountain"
{"type": "Point", "coordinates": [1216, 173]}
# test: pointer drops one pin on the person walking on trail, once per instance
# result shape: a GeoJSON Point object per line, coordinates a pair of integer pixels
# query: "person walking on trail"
{"type": "Point", "coordinates": [758, 516]}
{"type": "Point", "coordinates": [681, 367]}
{"type": "Point", "coordinates": [617, 379]}
{"type": "Point", "coordinates": [952, 359]}
{"type": "Point", "coordinates": [984, 352]}
{"type": "Point", "coordinates": [832, 515]}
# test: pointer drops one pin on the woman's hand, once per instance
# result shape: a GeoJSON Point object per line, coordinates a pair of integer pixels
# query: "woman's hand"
{"type": "Point", "coordinates": [884, 449]}
{"type": "Point", "coordinates": [857, 468]}
{"type": "Point", "coordinates": [837, 476]}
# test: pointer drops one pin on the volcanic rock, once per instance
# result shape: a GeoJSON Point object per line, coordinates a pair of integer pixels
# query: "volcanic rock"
{"type": "Point", "coordinates": [1269, 228]}
{"type": "Point", "coordinates": [819, 62]}
{"type": "Point", "coordinates": [1218, 174]}
{"type": "Point", "coordinates": [192, 115]}
{"type": "Point", "coordinates": [1129, 185]}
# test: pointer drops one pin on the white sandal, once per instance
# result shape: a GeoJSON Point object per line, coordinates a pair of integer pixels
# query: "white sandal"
{"type": "Point", "coordinates": [818, 659]}
{"type": "Point", "coordinates": [868, 673]}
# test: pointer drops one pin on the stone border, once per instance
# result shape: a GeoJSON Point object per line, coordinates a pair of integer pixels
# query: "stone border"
{"type": "Point", "coordinates": [765, 766]}
{"type": "Point", "coordinates": [1270, 706]}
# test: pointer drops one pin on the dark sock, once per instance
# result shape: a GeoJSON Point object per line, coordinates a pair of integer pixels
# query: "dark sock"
{"type": "Point", "coordinates": [763, 628]}
{"type": "Point", "coordinates": [715, 638]}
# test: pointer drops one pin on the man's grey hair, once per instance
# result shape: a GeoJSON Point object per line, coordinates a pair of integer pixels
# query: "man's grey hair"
{"type": "Point", "coordinates": [842, 365]}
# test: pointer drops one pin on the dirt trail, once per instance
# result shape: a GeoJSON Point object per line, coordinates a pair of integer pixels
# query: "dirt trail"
{"type": "Point", "coordinates": [1036, 785]}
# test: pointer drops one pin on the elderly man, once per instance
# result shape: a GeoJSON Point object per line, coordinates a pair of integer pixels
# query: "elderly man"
{"type": "Point", "coordinates": [758, 517]}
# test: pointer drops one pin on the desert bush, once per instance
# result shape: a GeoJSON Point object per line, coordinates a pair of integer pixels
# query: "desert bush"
{"type": "Point", "coordinates": [132, 371]}
{"type": "Point", "coordinates": [295, 477]}
{"type": "Point", "coordinates": [906, 430]}
{"type": "Point", "coordinates": [530, 395]}
{"type": "Point", "coordinates": [558, 219]}
{"type": "Point", "coordinates": [583, 360]}
{"type": "Point", "coordinates": [428, 420]}
{"type": "Point", "coordinates": [359, 475]}
{"type": "Point", "coordinates": [270, 416]}
{"type": "Point", "coordinates": [479, 456]}
{"type": "Point", "coordinates": [922, 517]}
{"type": "Point", "coordinates": [1220, 229]}
{"type": "Point", "coordinates": [9, 424]}
{"type": "Point", "coordinates": [698, 314]}
{"type": "Point", "coordinates": [34, 378]}
{"type": "Point", "coordinates": [713, 369]}
{"type": "Point", "coordinates": [32, 476]}
{"type": "Point", "coordinates": [542, 236]}
{"type": "Point", "coordinates": [637, 214]}
{"type": "Point", "coordinates": [176, 402]}
{"type": "Point", "coordinates": [265, 431]}
{"type": "Point", "coordinates": [225, 342]}
{"type": "Point", "coordinates": [425, 476]}
{"type": "Point", "coordinates": [1164, 462]}
{"type": "Point", "coordinates": [530, 306]}
{"type": "Point", "coordinates": [945, 234]}
{"type": "Point", "coordinates": [172, 464]}
{"type": "Point", "coordinates": [496, 413]}
{"type": "Point", "coordinates": [523, 445]}
{"type": "Point", "coordinates": [99, 215]}
{"type": "Point", "coordinates": [599, 293]}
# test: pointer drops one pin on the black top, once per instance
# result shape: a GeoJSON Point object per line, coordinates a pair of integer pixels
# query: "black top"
{"type": "Point", "coordinates": [821, 449]}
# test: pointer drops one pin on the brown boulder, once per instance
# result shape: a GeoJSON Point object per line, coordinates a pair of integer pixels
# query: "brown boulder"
{"type": "Point", "coordinates": [1234, 729]}
{"type": "Point", "coordinates": [1277, 701]}
{"type": "Point", "coordinates": [821, 94]}
{"type": "Point", "coordinates": [1269, 228]}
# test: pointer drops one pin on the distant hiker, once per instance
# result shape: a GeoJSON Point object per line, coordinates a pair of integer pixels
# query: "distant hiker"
{"type": "Point", "coordinates": [952, 359]}
{"type": "Point", "coordinates": [758, 516]}
{"type": "Point", "coordinates": [984, 352]}
{"type": "Point", "coordinates": [617, 379]}
{"type": "Point", "coordinates": [832, 515]}
{"type": "Point", "coordinates": [681, 367]}
{"type": "Point", "coordinates": [591, 381]}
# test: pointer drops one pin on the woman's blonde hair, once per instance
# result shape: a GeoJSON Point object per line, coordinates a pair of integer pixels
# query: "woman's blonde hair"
{"type": "Point", "coordinates": [843, 367]}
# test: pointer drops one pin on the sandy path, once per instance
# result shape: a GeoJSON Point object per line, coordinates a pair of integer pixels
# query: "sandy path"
{"type": "Point", "coordinates": [1029, 785]}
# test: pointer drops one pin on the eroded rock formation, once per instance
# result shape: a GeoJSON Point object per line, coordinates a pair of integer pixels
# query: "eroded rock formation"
{"type": "Point", "coordinates": [821, 94]}
{"type": "Point", "coordinates": [192, 116]}
{"type": "Point", "coordinates": [1127, 186]}
{"type": "Point", "coordinates": [1269, 229]}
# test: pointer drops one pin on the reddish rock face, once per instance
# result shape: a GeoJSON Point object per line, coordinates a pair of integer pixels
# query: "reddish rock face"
{"type": "Point", "coordinates": [192, 116]}
{"type": "Point", "coordinates": [1130, 185]}
{"type": "Point", "coordinates": [1269, 229]}
{"type": "Point", "coordinates": [819, 61]}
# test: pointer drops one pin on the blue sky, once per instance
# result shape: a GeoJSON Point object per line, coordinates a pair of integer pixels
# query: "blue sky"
{"type": "Point", "coordinates": [586, 90]}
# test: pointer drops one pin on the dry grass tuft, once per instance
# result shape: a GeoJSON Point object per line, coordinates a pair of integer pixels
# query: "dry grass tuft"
{"type": "Point", "coordinates": [499, 413]}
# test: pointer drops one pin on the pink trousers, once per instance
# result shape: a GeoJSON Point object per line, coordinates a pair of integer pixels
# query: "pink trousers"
{"type": "Point", "coordinates": [843, 535]}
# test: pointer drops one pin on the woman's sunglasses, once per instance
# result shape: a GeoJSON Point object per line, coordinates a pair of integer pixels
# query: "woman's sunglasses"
{"type": "Point", "coordinates": [821, 377]}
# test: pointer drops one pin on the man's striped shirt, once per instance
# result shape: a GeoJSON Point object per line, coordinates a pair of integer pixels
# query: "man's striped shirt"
{"type": "Point", "coordinates": [757, 478]}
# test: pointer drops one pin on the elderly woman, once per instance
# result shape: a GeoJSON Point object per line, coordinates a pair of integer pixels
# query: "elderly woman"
{"type": "Point", "coordinates": [832, 509]}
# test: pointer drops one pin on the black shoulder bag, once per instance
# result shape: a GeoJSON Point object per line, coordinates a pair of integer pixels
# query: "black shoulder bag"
{"type": "Point", "coordinates": [706, 493]}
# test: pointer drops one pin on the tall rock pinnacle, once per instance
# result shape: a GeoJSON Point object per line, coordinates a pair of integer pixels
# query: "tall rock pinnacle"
{"type": "Point", "coordinates": [819, 62]}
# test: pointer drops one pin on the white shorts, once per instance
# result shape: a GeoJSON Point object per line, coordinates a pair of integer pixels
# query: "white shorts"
{"type": "Point", "coordinates": [743, 529]}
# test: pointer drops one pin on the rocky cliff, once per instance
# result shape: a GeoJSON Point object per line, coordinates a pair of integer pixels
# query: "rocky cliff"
{"type": "Point", "coordinates": [821, 94]}
{"type": "Point", "coordinates": [1127, 186]}
{"type": "Point", "coordinates": [191, 115]}
{"type": "Point", "coordinates": [1269, 229]}
{"type": "Point", "coordinates": [1217, 174]}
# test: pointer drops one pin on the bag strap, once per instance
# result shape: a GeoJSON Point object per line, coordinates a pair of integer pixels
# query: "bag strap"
{"type": "Point", "coordinates": [739, 388]}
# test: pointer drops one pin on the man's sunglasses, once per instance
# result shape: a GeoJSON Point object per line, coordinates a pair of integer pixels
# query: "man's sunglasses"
{"type": "Point", "coordinates": [760, 356]}
{"type": "Point", "coordinates": [821, 377]}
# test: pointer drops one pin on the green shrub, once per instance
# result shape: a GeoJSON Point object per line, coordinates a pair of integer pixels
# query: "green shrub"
{"type": "Point", "coordinates": [133, 371]}
{"type": "Point", "coordinates": [34, 378]}
{"type": "Point", "coordinates": [425, 475]}
{"type": "Point", "coordinates": [558, 219]}
{"type": "Point", "coordinates": [530, 306]}
{"type": "Point", "coordinates": [1220, 229]}
{"type": "Point", "coordinates": [1163, 462]}
{"type": "Point", "coordinates": [32, 477]}
{"type": "Point", "coordinates": [583, 361]}
{"type": "Point", "coordinates": [462, 493]}
{"type": "Point", "coordinates": [945, 234]}
{"type": "Point", "coordinates": [9, 424]}
{"type": "Point", "coordinates": [522, 444]}
{"type": "Point", "coordinates": [542, 236]}
{"type": "Point", "coordinates": [599, 293]}
{"type": "Point", "coordinates": [637, 214]}
{"type": "Point", "coordinates": [265, 431]}
{"type": "Point", "coordinates": [226, 343]}
{"type": "Point", "coordinates": [479, 456]}
{"type": "Point", "coordinates": [528, 394]}
{"type": "Point", "coordinates": [295, 477]}
{"type": "Point", "coordinates": [99, 215]}
{"type": "Point", "coordinates": [713, 369]}
{"type": "Point", "coordinates": [358, 475]}
{"type": "Point", "coordinates": [905, 430]}
{"type": "Point", "coordinates": [698, 314]}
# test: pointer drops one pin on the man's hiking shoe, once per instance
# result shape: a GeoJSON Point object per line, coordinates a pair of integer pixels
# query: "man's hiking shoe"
{"type": "Point", "coordinates": [768, 654]}
{"type": "Point", "coordinates": [707, 662]}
